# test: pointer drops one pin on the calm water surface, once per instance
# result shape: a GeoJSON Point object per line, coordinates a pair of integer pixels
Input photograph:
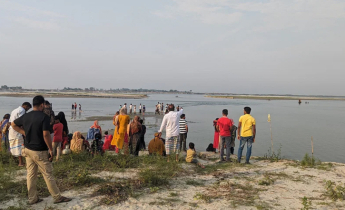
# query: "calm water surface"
{"type": "Point", "coordinates": [293, 125]}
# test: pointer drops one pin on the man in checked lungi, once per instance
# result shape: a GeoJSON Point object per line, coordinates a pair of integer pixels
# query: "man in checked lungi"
{"type": "Point", "coordinates": [172, 127]}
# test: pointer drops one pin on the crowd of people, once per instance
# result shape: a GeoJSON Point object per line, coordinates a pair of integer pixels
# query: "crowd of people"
{"type": "Point", "coordinates": [41, 133]}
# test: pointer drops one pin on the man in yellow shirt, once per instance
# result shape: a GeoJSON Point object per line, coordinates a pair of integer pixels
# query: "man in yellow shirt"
{"type": "Point", "coordinates": [246, 133]}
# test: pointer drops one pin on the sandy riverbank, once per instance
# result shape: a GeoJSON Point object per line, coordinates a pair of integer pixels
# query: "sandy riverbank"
{"type": "Point", "coordinates": [267, 97]}
{"type": "Point", "coordinates": [73, 95]}
{"type": "Point", "coordinates": [261, 185]}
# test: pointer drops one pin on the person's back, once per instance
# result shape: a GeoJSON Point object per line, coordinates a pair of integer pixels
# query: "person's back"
{"type": "Point", "coordinates": [123, 122]}
{"type": "Point", "coordinates": [172, 123]}
{"type": "Point", "coordinates": [247, 122]}
{"type": "Point", "coordinates": [190, 155]}
{"type": "Point", "coordinates": [156, 145]}
{"type": "Point", "coordinates": [224, 124]}
{"type": "Point", "coordinates": [246, 133]}
{"type": "Point", "coordinates": [58, 129]}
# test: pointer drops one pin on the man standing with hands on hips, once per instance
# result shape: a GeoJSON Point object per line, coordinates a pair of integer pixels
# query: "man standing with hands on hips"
{"type": "Point", "coordinates": [38, 151]}
{"type": "Point", "coordinates": [246, 133]}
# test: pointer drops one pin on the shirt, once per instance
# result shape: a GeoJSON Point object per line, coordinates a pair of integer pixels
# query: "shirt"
{"type": "Point", "coordinates": [15, 114]}
{"type": "Point", "coordinates": [190, 155]}
{"type": "Point", "coordinates": [58, 128]}
{"type": "Point", "coordinates": [183, 124]}
{"type": "Point", "coordinates": [224, 124]}
{"type": "Point", "coordinates": [247, 125]}
{"type": "Point", "coordinates": [34, 123]}
{"type": "Point", "coordinates": [171, 123]}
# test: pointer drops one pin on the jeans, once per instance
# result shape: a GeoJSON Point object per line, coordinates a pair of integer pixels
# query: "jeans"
{"type": "Point", "coordinates": [249, 141]}
{"type": "Point", "coordinates": [224, 140]}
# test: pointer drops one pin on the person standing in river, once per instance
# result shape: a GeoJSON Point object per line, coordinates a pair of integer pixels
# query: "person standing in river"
{"type": "Point", "coordinates": [140, 109]}
{"type": "Point", "coordinates": [38, 151]}
{"type": "Point", "coordinates": [130, 108]}
{"type": "Point", "coordinates": [246, 133]}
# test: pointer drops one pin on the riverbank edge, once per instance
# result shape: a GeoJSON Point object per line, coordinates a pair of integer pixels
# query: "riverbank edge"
{"type": "Point", "coordinates": [73, 95]}
{"type": "Point", "coordinates": [255, 97]}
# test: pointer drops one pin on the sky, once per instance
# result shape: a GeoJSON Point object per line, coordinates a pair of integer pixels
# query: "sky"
{"type": "Point", "coordinates": [227, 46]}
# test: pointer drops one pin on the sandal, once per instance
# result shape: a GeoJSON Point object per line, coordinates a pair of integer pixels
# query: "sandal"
{"type": "Point", "coordinates": [38, 201]}
{"type": "Point", "coordinates": [62, 200]}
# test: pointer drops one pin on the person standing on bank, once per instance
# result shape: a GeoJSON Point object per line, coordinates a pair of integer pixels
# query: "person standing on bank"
{"type": "Point", "coordinates": [224, 125]}
{"type": "Point", "coordinates": [38, 151]}
{"type": "Point", "coordinates": [183, 133]}
{"type": "Point", "coordinates": [171, 124]}
{"type": "Point", "coordinates": [16, 139]}
{"type": "Point", "coordinates": [246, 133]}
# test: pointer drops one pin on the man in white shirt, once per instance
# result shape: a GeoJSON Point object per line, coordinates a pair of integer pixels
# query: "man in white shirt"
{"type": "Point", "coordinates": [16, 139]}
{"type": "Point", "coordinates": [130, 109]}
{"type": "Point", "coordinates": [171, 124]}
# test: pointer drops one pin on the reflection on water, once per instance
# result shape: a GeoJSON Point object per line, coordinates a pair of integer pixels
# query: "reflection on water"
{"type": "Point", "coordinates": [292, 124]}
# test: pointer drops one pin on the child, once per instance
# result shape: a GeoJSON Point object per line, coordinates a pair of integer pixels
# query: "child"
{"type": "Point", "coordinates": [57, 140]}
{"type": "Point", "coordinates": [191, 153]}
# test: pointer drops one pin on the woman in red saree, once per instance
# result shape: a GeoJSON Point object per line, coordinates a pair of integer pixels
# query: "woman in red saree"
{"type": "Point", "coordinates": [216, 135]}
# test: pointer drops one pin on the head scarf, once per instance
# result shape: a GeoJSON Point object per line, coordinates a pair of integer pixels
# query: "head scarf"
{"type": "Point", "coordinates": [156, 136]}
{"type": "Point", "coordinates": [123, 111]}
{"type": "Point", "coordinates": [76, 142]}
{"type": "Point", "coordinates": [95, 125]}
{"type": "Point", "coordinates": [135, 125]}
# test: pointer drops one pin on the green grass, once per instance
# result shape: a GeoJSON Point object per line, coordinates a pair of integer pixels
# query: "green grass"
{"type": "Point", "coordinates": [202, 197]}
{"type": "Point", "coordinates": [267, 180]}
{"type": "Point", "coordinates": [74, 172]}
{"type": "Point", "coordinates": [335, 192]}
{"type": "Point", "coordinates": [194, 183]}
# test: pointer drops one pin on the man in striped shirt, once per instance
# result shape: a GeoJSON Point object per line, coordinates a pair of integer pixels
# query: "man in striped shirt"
{"type": "Point", "coordinates": [183, 132]}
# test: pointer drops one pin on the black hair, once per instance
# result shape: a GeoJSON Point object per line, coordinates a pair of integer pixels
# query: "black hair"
{"type": "Point", "coordinates": [171, 107]}
{"type": "Point", "coordinates": [106, 133]}
{"type": "Point", "coordinates": [7, 116]}
{"type": "Point", "coordinates": [225, 112]}
{"type": "Point", "coordinates": [141, 121]}
{"type": "Point", "coordinates": [191, 145]}
{"type": "Point", "coordinates": [182, 116]}
{"type": "Point", "coordinates": [63, 121]}
{"type": "Point", "coordinates": [247, 109]}
{"type": "Point", "coordinates": [98, 136]}
{"type": "Point", "coordinates": [217, 118]}
{"type": "Point", "coordinates": [57, 117]}
{"type": "Point", "coordinates": [37, 100]}
{"type": "Point", "coordinates": [46, 103]}
{"type": "Point", "coordinates": [27, 104]}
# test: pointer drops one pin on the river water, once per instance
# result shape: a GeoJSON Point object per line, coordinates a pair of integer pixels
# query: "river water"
{"type": "Point", "coordinates": [293, 125]}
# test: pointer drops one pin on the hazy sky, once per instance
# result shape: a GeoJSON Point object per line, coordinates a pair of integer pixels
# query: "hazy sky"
{"type": "Point", "coordinates": [238, 46]}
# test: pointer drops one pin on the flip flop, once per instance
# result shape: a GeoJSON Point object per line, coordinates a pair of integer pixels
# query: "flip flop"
{"type": "Point", "coordinates": [38, 201]}
{"type": "Point", "coordinates": [62, 200]}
